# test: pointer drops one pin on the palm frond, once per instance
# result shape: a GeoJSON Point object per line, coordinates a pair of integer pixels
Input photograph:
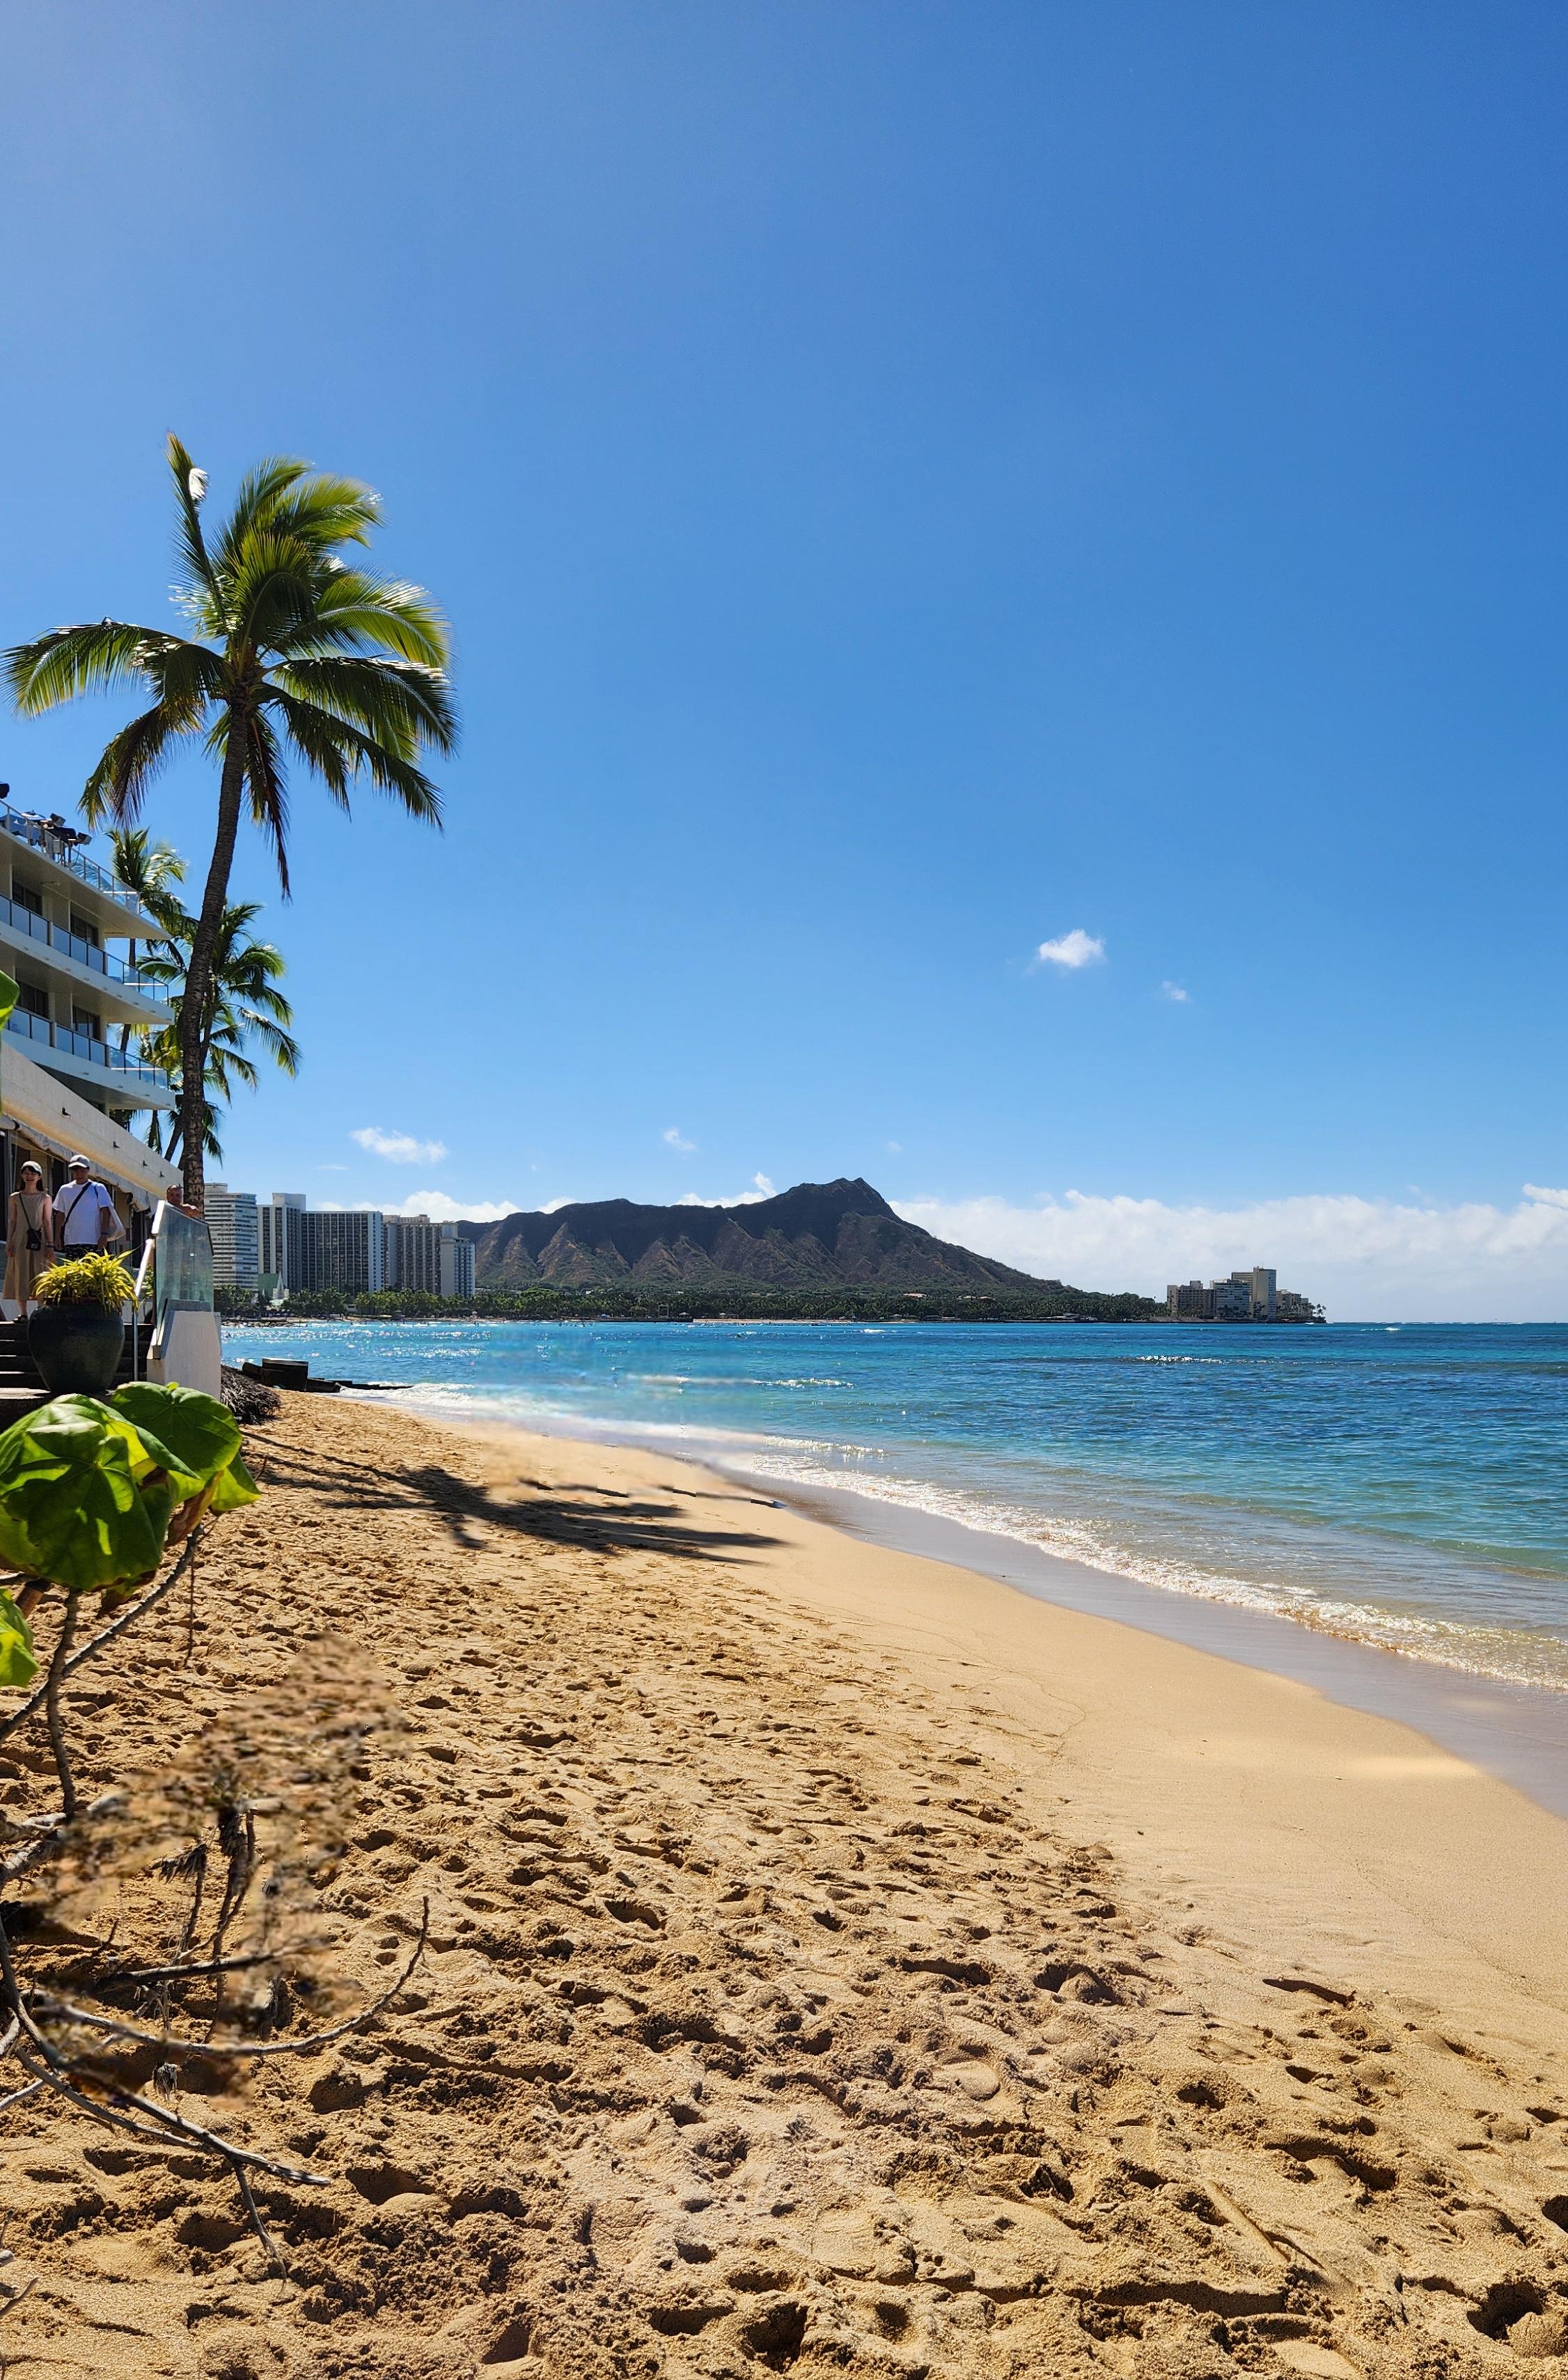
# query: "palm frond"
{"type": "Point", "coordinates": [128, 763]}
{"type": "Point", "coordinates": [82, 658]}
{"type": "Point", "coordinates": [237, 916]}
{"type": "Point", "coordinates": [164, 965]}
{"type": "Point", "coordinates": [324, 510]}
{"type": "Point", "coordinates": [355, 608]}
{"type": "Point", "coordinates": [258, 492]}
{"type": "Point", "coordinates": [404, 704]}
{"type": "Point", "coordinates": [227, 1064]}
{"type": "Point", "coordinates": [189, 675]}
{"type": "Point", "coordinates": [339, 752]}
{"type": "Point", "coordinates": [268, 781]}
{"type": "Point", "coordinates": [270, 590]}
{"type": "Point", "coordinates": [318, 739]}
{"type": "Point", "coordinates": [189, 543]}
{"type": "Point", "coordinates": [280, 1045]}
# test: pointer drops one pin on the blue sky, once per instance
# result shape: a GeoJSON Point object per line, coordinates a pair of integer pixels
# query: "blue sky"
{"type": "Point", "coordinates": [910, 484]}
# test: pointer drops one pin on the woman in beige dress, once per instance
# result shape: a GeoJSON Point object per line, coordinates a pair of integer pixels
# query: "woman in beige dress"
{"type": "Point", "coordinates": [29, 1237]}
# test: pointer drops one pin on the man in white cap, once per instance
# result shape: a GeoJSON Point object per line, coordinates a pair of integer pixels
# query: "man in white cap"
{"type": "Point", "coordinates": [84, 1212]}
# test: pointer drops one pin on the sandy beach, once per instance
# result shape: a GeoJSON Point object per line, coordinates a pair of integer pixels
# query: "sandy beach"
{"type": "Point", "coordinates": [837, 1962]}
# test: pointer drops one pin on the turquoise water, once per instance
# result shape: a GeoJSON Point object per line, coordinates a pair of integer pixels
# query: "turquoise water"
{"type": "Point", "coordinates": [1406, 1487]}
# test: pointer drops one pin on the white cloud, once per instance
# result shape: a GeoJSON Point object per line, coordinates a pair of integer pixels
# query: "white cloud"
{"type": "Point", "coordinates": [444, 1209]}
{"type": "Point", "coordinates": [1173, 991]}
{"type": "Point", "coordinates": [1364, 1258]}
{"type": "Point", "coordinates": [762, 1188]}
{"type": "Point", "coordinates": [895, 1149]}
{"type": "Point", "coordinates": [672, 1139]}
{"type": "Point", "coordinates": [399, 1148]}
{"type": "Point", "coordinates": [1075, 950]}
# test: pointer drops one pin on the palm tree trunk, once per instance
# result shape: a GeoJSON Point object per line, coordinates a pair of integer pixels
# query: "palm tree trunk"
{"type": "Point", "coordinates": [195, 1002]}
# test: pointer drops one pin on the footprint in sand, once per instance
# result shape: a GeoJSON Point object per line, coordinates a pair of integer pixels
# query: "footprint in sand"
{"type": "Point", "coordinates": [974, 2076]}
{"type": "Point", "coordinates": [1322, 2362]}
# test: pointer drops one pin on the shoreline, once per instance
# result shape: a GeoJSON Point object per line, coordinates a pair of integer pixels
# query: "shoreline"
{"type": "Point", "coordinates": [1516, 1733]}
{"type": "Point", "coordinates": [836, 1960]}
{"type": "Point", "coordinates": [1297, 1814]}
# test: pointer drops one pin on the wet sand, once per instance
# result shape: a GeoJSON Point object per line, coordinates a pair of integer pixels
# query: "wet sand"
{"type": "Point", "coordinates": [839, 1962]}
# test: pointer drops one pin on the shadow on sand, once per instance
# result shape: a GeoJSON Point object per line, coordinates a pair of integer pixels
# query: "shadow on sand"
{"type": "Point", "coordinates": [607, 1520]}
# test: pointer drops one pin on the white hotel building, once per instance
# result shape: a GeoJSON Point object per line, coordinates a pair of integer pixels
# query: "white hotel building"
{"type": "Point", "coordinates": [69, 1075]}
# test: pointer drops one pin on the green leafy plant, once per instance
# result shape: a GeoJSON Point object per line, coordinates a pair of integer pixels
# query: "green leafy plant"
{"type": "Point", "coordinates": [97, 1279]}
{"type": "Point", "coordinates": [19, 1663]}
{"type": "Point", "coordinates": [93, 1496]}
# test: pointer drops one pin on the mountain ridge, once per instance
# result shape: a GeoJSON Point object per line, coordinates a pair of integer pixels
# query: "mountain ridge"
{"type": "Point", "coordinates": [817, 1235]}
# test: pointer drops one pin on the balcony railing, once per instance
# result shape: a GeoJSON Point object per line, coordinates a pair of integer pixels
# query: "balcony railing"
{"type": "Point", "coordinates": [74, 946]}
{"type": "Point", "coordinates": [61, 847]}
{"type": "Point", "coordinates": [22, 1022]}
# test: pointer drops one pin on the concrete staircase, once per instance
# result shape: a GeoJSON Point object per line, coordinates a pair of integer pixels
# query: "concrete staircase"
{"type": "Point", "coordinates": [22, 1390]}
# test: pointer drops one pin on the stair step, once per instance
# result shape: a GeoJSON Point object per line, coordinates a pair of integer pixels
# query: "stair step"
{"type": "Point", "coordinates": [19, 1378]}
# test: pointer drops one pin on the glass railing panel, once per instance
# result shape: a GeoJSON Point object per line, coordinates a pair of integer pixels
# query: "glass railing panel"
{"type": "Point", "coordinates": [183, 1264]}
{"type": "Point", "coordinates": [39, 837]}
{"type": "Point", "coordinates": [88, 954]}
{"type": "Point", "coordinates": [82, 1045]}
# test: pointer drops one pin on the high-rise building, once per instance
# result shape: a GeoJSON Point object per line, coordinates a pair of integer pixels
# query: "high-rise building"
{"type": "Point", "coordinates": [234, 1226]}
{"type": "Point", "coordinates": [413, 1254]}
{"type": "Point", "coordinates": [456, 1263]}
{"type": "Point", "coordinates": [425, 1256]}
{"type": "Point", "coordinates": [1261, 1284]}
{"type": "Point", "coordinates": [338, 1247]}
{"type": "Point", "coordinates": [279, 1260]}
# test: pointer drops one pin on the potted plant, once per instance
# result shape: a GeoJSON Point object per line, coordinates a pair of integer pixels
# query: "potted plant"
{"type": "Point", "coordinates": [76, 1333]}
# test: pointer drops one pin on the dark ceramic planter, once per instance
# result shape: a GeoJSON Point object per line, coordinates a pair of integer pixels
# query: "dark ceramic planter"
{"type": "Point", "coordinates": [76, 1348]}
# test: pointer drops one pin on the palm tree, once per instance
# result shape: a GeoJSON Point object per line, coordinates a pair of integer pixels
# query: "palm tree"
{"type": "Point", "coordinates": [244, 1006]}
{"type": "Point", "coordinates": [151, 870]}
{"type": "Point", "coordinates": [290, 649]}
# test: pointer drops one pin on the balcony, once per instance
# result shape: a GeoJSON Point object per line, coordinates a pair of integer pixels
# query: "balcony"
{"type": "Point", "coordinates": [77, 950]}
{"type": "Point", "coordinates": [128, 1082]}
{"type": "Point", "coordinates": [62, 844]}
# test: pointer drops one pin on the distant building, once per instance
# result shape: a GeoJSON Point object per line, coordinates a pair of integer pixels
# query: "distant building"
{"type": "Point", "coordinates": [456, 1263]}
{"type": "Point", "coordinates": [1253, 1296]}
{"type": "Point", "coordinates": [412, 1253]}
{"type": "Point", "coordinates": [276, 1221]}
{"type": "Point", "coordinates": [235, 1225]}
{"type": "Point", "coordinates": [420, 1254]}
{"type": "Point", "coordinates": [355, 1249]}
{"type": "Point", "coordinates": [1261, 1284]}
{"type": "Point", "coordinates": [338, 1248]}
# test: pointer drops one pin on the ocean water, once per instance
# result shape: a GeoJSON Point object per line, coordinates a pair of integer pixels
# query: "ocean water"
{"type": "Point", "coordinates": [1402, 1487]}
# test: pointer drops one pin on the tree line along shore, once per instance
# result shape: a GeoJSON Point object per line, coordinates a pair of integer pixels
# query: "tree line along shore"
{"type": "Point", "coordinates": [552, 1305]}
